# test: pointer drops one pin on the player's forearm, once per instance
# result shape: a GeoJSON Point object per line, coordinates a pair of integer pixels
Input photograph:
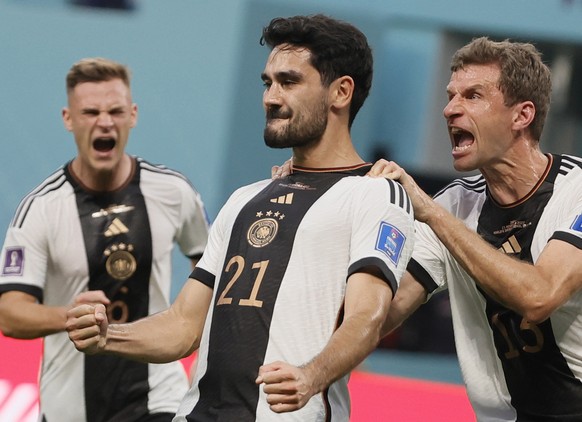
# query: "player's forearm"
{"type": "Point", "coordinates": [159, 338]}
{"type": "Point", "coordinates": [508, 280]}
{"type": "Point", "coordinates": [356, 338]}
{"type": "Point", "coordinates": [31, 320]}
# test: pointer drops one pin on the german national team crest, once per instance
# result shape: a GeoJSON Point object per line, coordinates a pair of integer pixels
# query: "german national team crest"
{"type": "Point", "coordinates": [262, 232]}
{"type": "Point", "coordinates": [121, 263]}
{"type": "Point", "coordinates": [390, 241]}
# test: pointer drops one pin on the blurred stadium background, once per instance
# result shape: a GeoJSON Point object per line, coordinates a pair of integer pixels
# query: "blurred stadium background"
{"type": "Point", "coordinates": [197, 66]}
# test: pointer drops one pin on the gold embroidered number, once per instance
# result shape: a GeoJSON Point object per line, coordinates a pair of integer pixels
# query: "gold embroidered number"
{"type": "Point", "coordinates": [524, 325]}
{"type": "Point", "coordinates": [240, 263]}
{"type": "Point", "coordinates": [513, 352]}
{"type": "Point", "coordinates": [117, 312]}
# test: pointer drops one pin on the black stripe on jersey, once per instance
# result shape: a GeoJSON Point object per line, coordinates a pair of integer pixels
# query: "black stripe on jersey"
{"type": "Point", "coordinates": [119, 255]}
{"type": "Point", "coordinates": [398, 196]}
{"type": "Point", "coordinates": [51, 184]}
{"type": "Point", "coordinates": [246, 294]}
{"type": "Point", "coordinates": [365, 265]}
{"type": "Point", "coordinates": [574, 161]}
{"type": "Point", "coordinates": [541, 385]}
{"type": "Point", "coordinates": [203, 276]}
{"type": "Point", "coordinates": [35, 291]}
{"type": "Point", "coordinates": [421, 275]}
{"type": "Point", "coordinates": [567, 163]}
{"type": "Point", "coordinates": [473, 183]}
{"type": "Point", "coordinates": [568, 238]}
{"type": "Point", "coordinates": [195, 256]}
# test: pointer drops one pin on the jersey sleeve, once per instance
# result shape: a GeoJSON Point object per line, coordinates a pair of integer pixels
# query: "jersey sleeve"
{"type": "Point", "coordinates": [383, 230]}
{"type": "Point", "coordinates": [208, 267]}
{"type": "Point", "coordinates": [427, 264]}
{"type": "Point", "coordinates": [569, 227]}
{"type": "Point", "coordinates": [25, 252]}
{"type": "Point", "coordinates": [193, 231]}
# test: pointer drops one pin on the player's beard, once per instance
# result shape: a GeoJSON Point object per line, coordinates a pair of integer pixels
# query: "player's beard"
{"type": "Point", "coordinates": [299, 131]}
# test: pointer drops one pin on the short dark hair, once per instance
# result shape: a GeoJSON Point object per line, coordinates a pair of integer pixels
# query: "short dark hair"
{"type": "Point", "coordinates": [337, 49]}
{"type": "Point", "coordinates": [96, 69]}
{"type": "Point", "coordinates": [523, 74]}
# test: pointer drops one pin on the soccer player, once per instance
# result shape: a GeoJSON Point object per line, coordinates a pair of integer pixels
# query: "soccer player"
{"type": "Point", "coordinates": [506, 243]}
{"type": "Point", "coordinates": [299, 273]}
{"type": "Point", "coordinates": [99, 230]}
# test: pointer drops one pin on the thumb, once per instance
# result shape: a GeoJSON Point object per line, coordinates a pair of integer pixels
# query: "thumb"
{"type": "Point", "coordinates": [100, 313]}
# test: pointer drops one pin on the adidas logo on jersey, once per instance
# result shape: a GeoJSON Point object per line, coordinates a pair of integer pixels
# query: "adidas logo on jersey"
{"type": "Point", "coordinates": [283, 199]}
{"type": "Point", "coordinates": [116, 227]}
{"type": "Point", "coordinates": [511, 246]}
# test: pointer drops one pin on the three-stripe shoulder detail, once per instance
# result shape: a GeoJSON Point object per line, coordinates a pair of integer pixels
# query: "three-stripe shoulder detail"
{"type": "Point", "coordinates": [476, 184]}
{"type": "Point", "coordinates": [398, 196]}
{"type": "Point", "coordinates": [568, 163]}
{"type": "Point", "coordinates": [51, 184]}
{"type": "Point", "coordinates": [161, 169]}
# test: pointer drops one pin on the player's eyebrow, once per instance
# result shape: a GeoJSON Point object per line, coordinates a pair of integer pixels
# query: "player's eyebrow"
{"type": "Point", "coordinates": [284, 74]}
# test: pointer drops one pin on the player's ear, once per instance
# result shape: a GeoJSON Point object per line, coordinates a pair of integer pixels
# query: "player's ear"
{"type": "Point", "coordinates": [524, 115]}
{"type": "Point", "coordinates": [66, 114]}
{"type": "Point", "coordinates": [133, 115]}
{"type": "Point", "coordinates": [341, 91]}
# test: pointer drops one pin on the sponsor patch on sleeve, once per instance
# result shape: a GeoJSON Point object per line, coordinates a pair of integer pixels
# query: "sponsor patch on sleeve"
{"type": "Point", "coordinates": [577, 224]}
{"type": "Point", "coordinates": [390, 241]}
{"type": "Point", "coordinates": [13, 261]}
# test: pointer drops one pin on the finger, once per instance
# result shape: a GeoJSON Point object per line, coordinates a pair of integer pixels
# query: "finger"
{"type": "Point", "coordinates": [92, 297]}
{"type": "Point", "coordinates": [100, 313]}
{"type": "Point", "coordinates": [283, 407]}
{"type": "Point", "coordinates": [101, 297]}
{"type": "Point", "coordinates": [275, 172]}
{"type": "Point", "coordinates": [80, 322]}
{"type": "Point", "coordinates": [264, 369]}
{"type": "Point", "coordinates": [275, 377]}
{"type": "Point", "coordinates": [392, 175]}
{"type": "Point", "coordinates": [84, 334]}
{"type": "Point", "coordinates": [273, 399]}
{"type": "Point", "coordinates": [282, 387]}
{"type": "Point", "coordinates": [80, 310]}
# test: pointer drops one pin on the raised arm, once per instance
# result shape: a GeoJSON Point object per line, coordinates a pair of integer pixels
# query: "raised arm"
{"type": "Point", "coordinates": [163, 337]}
{"type": "Point", "coordinates": [367, 301]}
{"type": "Point", "coordinates": [533, 291]}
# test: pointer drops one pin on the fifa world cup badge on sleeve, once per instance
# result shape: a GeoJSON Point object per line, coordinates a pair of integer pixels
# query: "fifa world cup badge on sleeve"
{"type": "Point", "coordinates": [13, 261]}
{"type": "Point", "coordinates": [390, 241]}
{"type": "Point", "coordinates": [577, 224]}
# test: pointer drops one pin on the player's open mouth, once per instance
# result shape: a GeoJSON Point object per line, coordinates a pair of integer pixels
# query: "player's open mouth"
{"type": "Point", "coordinates": [462, 139]}
{"type": "Point", "coordinates": [104, 144]}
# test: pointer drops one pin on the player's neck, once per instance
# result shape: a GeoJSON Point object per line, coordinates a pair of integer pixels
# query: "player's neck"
{"type": "Point", "coordinates": [332, 150]}
{"type": "Point", "coordinates": [103, 180]}
{"type": "Point", "coordinates": [515, 179]}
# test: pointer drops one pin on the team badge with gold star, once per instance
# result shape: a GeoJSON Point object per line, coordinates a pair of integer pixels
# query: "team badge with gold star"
{"type": "Point", "coordinates": [263, 231]}
{"type": "Point", "coordinates": [120, 264]}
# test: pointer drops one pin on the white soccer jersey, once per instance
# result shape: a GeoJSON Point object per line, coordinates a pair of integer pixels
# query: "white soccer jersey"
{"type": "Point", "coordinates": [281, 252]}
{"type": "Point", "coordinates": [64, 240]}
{"type": "Point", "coordinates": [513, 369]}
